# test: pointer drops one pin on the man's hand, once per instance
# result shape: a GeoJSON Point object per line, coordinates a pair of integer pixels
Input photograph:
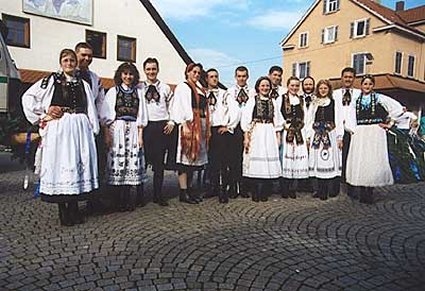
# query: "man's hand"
{"type": "Point", "coordinates": [340, 144]}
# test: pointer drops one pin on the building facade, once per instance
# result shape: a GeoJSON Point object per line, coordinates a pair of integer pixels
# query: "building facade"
{"type": "Point", "coordinates": [366, 35]}
{"type": "Point", "coordinates": [125, 30]}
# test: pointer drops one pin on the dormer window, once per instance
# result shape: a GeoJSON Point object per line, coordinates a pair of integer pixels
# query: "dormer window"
{"type": "Point", "coordinates": [330, 6]}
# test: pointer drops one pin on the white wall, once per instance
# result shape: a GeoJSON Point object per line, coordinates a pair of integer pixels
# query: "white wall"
{"type": "Point", "coordinates": [115, 17]}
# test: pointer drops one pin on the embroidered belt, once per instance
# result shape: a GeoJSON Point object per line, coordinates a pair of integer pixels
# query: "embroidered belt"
{"type": "Point", "coordinates": [370, 121]}
{"type": "Point", "coordinates": [258, 120]}
{"type": "Point", "coordinates": [73, 110]}
{"type": "Point", "coordinates": [321, 134]}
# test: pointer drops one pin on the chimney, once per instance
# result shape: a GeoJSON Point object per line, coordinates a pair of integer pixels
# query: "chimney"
{"type": "Point", "coordinates": [399, 6]}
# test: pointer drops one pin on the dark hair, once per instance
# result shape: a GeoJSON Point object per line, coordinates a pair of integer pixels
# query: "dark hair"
{"type": "Point", "coordinates": [242, 69]}
{"type": "Point", "coordinates": [126, 67]}
{"type": "Point", "coordinates": [368, 76]}
{"type": "Point", "coordinates": [66, 52]}
{"type": "Point", "coordinates": [348, 70]}
{"type": "Point", "coordinates": [211, 70]}
{"type": "Point", "coordinates": [81, 45]}
{"type": "Point", "coordinates": [308, 77]}
{"type": "Point", "coordinates": [292, 78]}
{"type": "Point", "coordinates": [151, 61]}
{"type": "Point", "coordinates": [275, 68]}
{"type": "Point", "coordinates": [327, 83]}
{"type": "Point", "coordinates": [257, 83]}
{"type": "Point", "coordinates": [191, 66]}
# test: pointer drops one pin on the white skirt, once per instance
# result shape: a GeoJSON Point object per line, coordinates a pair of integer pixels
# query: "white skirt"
{"type": "Point", "coordinates": [202, 158]}
{"type": "Point", "coordinates": [325, 163]}
{"type": "Point", "coordinates": [294, 158]}
{"type": "Point", "coordinates": [125, 162]}
{"type": "Point", "coordinates": [69, 159]}
{"type": "Point", "coordinates": [262, 160]}
{"type": "Point", "coordinates": [367, 162]}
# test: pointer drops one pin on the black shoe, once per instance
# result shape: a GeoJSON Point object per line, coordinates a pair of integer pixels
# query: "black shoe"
{"type": "Point", "coordinates": [64, 215]}
{"type": "Point", "coordinates": [184, 197]}
{"type": "Point", "coordinates": [324, 196]}
{"type": "Point", "coordinates": [162, 202]}
{"type": "Point", "coordinates": [316, 195]}
{"type": "Point", "coordinates": [366, 195]}
{"type": "Point", "coordinates": [292, 194]}
{"type": "Point", "coordinates": [76, 216]}
{"type": "Point", "coordinates": [140, 196]}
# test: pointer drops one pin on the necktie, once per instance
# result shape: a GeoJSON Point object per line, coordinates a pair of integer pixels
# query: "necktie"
{"type": "Point", "coordinates": [212, 100]}
{"type": "Point", "coordinates": [152, 94]}
{"type": "Point", "coordinates": [274, 93]}
{"type": "Point", "coordinates": [307, 99]}
{"type": "Point", "coordinates": [242, 97]}
{"type": "Point", "coordinates": [346, 99]}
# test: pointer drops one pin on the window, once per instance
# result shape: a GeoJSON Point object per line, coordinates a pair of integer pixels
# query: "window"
{"type": "Point", "coordinates": [304, 39]}
{"type": "Point", "coordinates": [18, 30]}
{"type": "Point", "coordinates": [359, 63]}
{"type": "Point", "coordinates": [359, 28]}
{"type": "Point", "coordinates": [126, 49]}
{"type": "Point", "coordinates": [330, 6]}
{"type": "Point", "coordinates": [398, 62]}
{"type": "Point", "coordinates": [301, 70]}
{"type": "Point", "coordinates": [330, 34]}
{"type": "Point", "coordinates": [98, 41]}
{"type": "Point", "coordinates": [411, 66]}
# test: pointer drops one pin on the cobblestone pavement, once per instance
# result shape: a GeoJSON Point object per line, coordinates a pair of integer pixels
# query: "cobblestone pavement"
{"type": "Point", "coordinates": [302, 244]}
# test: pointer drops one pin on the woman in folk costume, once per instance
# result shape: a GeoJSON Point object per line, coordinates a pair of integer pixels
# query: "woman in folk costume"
{"type": "Point", "coordinates": [325, 130]}
{"type": "Point", "coordinates": [294, 139]}
{"type": "Point", "coordinates": [123, 116]}
{"type": "Point", "coordinates": [368, 163]}
{"type": "Point", "coordinates": [190, 111]}
{"type": "Point", "coordinates": [262, 123]}
{"type": "Point", "coordinates": [63, 106]}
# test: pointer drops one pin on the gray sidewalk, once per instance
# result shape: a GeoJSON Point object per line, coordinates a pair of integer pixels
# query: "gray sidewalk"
{"type": "Point", "coordinates": [302, 244]}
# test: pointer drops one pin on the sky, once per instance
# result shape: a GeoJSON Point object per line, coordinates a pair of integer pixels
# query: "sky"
{"type": "Point", "coordinates": [227, 33]}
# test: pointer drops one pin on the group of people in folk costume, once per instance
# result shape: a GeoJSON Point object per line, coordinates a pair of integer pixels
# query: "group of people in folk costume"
{"type": "Point", "coordinates": [246, 138]}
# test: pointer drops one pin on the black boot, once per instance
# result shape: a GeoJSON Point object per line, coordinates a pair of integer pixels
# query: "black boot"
{"type": "Point", "coordinates": [75, 215]}
{"type": "Point", "coordinates": [266, 189]}
{"type": "Point", "coordinates": [291, 193]}
{"type": "Point", "coordinates": [334, 187]}
{"type": "Point", "coordinates": [140, 195]}
{"type": "Point", "coordinates": [366, 195]}
{"type": "Point", "coordinates": [257, 192]}
{"type": "Point", "coordinates": [158, 197]}
{"type": "Point", "coordinates": [323, 189]}
{"type": "Point", "coordinates": [184, 197]}
{"type": "Point", "coordinates": [64, 215]}
{"type": "Point", "coordinates": [284, 188]}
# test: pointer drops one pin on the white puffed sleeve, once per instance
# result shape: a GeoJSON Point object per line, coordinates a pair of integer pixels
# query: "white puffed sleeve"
{"type": "Point", "coordinates": [36, 101]}
{"type": "Point", "coordinates": [394, 108]}
{"type": "Point", "coordinates": [181, 109]}
{"type": "Point", "coordinates": [107, 110]}
{"type": "Point", "coordinates": [246, 118]}
{"type": "Point", "coordinates": [91, 108]}
{"type": "Point", "coordinates": [339, 120]}
{"type": "Point", "coordinates": [142, 114]}
{"type": "Point", "coordinates": [278, 119]}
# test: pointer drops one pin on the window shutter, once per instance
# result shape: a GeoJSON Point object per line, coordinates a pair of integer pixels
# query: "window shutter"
{"type": "Point", "coordinates": [323, 35]}
{"type": "Point", "coordinates": [336, 33]}
{"type": "Point", "coordinates": [351, 29]}
{"type": "Point", "coordinates": [294, 69]}
{"type": "Point", "coordinates": [308, 69]}
{"type": "Point", "coordinates": [337, 5]}
{"type": "Point", "coordinates": [324, 6]}
{"type": "Point", "coordinates": [367, 26]}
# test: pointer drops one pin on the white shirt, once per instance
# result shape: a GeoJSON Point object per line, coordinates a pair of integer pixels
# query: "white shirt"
{"type": "Point", "coordinates": [219, 112]}
{"type": "Point", "coordinates": [404, 121]}
{"type": "Point", "coordinates": [158, 111]}
{"type": "Point", "coordinates": [232, 94]}
{"type": "Point", "coordinates": [181, 109]}
{"type": "Point", "coordinates": [348, 111]}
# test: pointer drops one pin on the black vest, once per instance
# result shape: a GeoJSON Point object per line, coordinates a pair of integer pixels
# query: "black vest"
{"type": "Point", "coordinates": [373, 114]}
{"type": "Point", "coordinates": [70, 94]}
{"type": "Point", "coordinates": [263, 110]}
{"type": "Point", "coordinates": [326, 113]}
{"type": "Point", "coordinates": [127, 103]}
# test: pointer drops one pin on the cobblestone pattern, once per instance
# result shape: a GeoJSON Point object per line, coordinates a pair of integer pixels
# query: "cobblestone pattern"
{"type": "Point", "coordinates": [303, 244]}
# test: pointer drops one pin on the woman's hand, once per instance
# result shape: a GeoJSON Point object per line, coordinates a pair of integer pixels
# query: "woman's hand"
{"type": "Point", "coordinates": [140, 138]}
{"type": "Point", "coordinates": [385, 125]}
{"type": "Point", "coordinates": [246, 142]}
{"type": "Point", "coordinates": [340, 144]}
{"type": "Point", "coordinates": [55, 112]}
{"type": "Point", "coordinates": [168, 128]}
{"type": "Point", "coordinates": [185, 129]}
